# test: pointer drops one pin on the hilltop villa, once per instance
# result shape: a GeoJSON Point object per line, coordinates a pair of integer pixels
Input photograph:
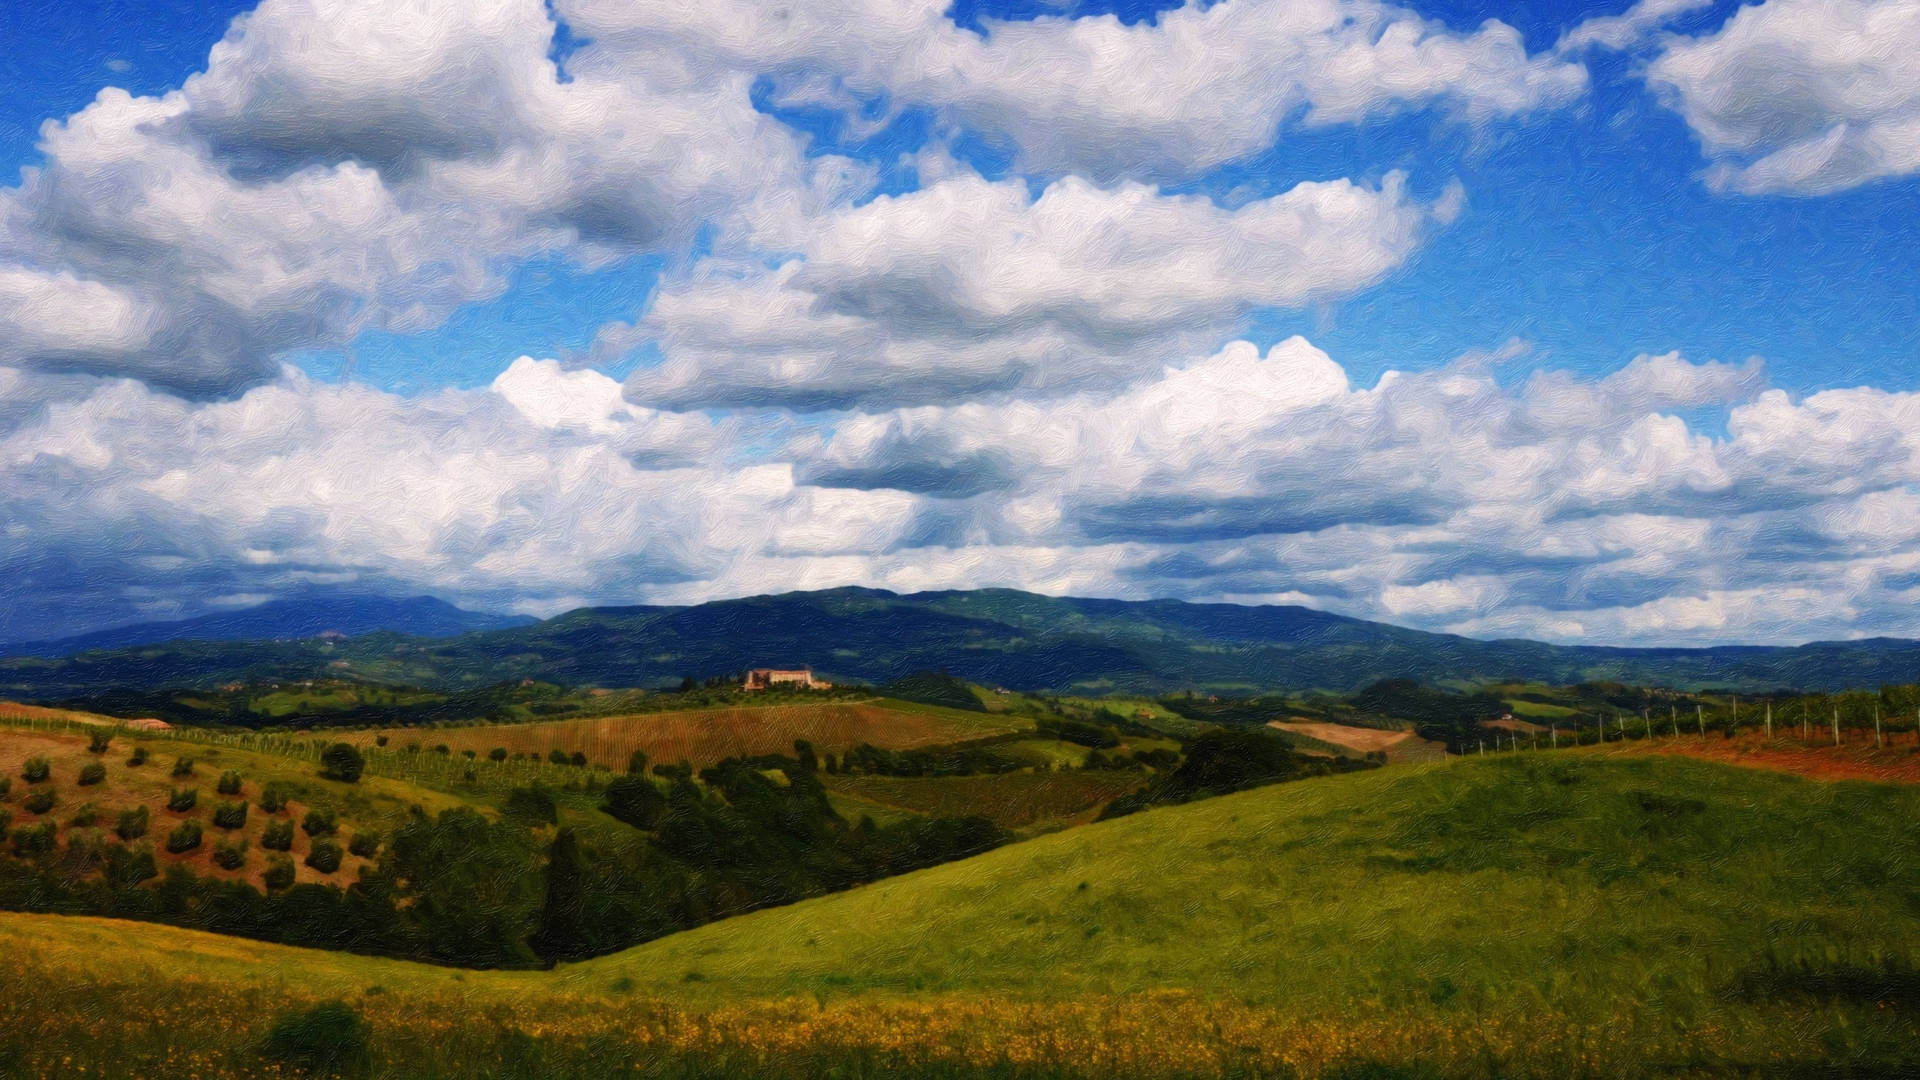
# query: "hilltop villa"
{"type": "Point", "coordinates": [766, 678]}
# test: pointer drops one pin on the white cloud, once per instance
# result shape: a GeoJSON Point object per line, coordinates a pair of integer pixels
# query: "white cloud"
{"type": "Point", "coordinates": [1197, 86]}
{"type": "Point", "coordinates": [967, 287]}
{"type": "Point", "coordinates": [347, 164]}
{"type": "Point", "coordinates": [1801, 97]}
{"type": "Point", "coordinates": [1451, 499]}
{"type": "Point", "coordinates": [1629, 28]}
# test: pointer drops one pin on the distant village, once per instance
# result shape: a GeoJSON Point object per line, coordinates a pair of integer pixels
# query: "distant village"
{"type": "Point", "coordinates": [768, 678]}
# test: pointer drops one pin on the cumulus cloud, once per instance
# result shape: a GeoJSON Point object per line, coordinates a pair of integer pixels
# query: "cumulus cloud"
{"type": "Point", "coordinates": [1457, 499]}
{"type": "Point", "coordinates": [1801, 97]}
{"type": "Point", "coordinates": [1197, 86]}
{"type": "Point", "coordinates": [344, 165]}
{"type": "Point", "coordinates": [968, 286]}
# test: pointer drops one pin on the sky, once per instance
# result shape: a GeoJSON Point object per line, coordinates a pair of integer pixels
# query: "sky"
{"type": "Point", "coordinates": [1580, 322]}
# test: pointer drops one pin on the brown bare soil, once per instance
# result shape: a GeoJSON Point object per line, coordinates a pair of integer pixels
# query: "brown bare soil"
{"type": "Point", "coordinates": [1365, 740]}
{"type": "Point", "coordinates": [1855, 758]}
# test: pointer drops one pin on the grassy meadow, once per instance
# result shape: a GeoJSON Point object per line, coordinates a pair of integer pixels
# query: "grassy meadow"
{"type": "Point", "coordinates": [1588, 913]}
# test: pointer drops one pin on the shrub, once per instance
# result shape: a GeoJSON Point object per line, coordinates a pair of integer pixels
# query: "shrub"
{"type": "Point", "coordinates": [532, 806]}
{"type": "Point", "coordinates": [34, 839]}
{"type": "Point", "coordinates": [327, 1039]}
{"type": "Point", "coordinates": [184, 838]}
{"type": "Point", "coordinates": [578, 760]}
{"type": "Point", "coordinates": [365, 843]}
{"type": "Point", "coordinates": [634, 800]}
{"type": "Point", "coordinates": [86, 817]}
{"type": "Point", "coordinates": [230, 815]}
{"type": "Point", "coordinates": [93, 772]}
{"type": "Point", "coordinates": [183, 799]}
{"type": "Point", "coordinates": [324, 856]}
{"type": "Point", "coordinates": [557, 756]}
{"type": "Point", "coordinates": [342, 762]}
{"type": "Point", "coordinates": [98, 741]}
{"type": "Point", "coordinates": [229, 783]}
{"type": "Point", "coordinates": [41, 801]}
{"type": "Point", "coordinates": [6, 786]}
{"type": "Point", "coordinates": [278, 836]}
{"type": "Point", "coordinates": [279, 873]}
{"type": "Point", "coordinates": [379, 740]}
{"type": "Point", "coordinates": [319, 823]}
{"type": "Point", "coordinates": [230, 854]}
{"type": "Point", "coordinates": [36, 770]}
{"type": "Point", "coordinates": [441, 749]}
{"type": "Point", "coordinates": [129, 866]}
{"type": "Point", "coordinates": [272, 798]}
{"type": "Point", "coordinates": [131, 824]}
{"type": "Point", "coordinates": [138, 757]}
{"type": "Point", "coordinates": [468, 754]}
{"type": "Point", "coordinates": [183, 766]}
{"type": "Point", "coordinates": [498, 753]}
{"type": "Point", "coordinates": [6, 819]}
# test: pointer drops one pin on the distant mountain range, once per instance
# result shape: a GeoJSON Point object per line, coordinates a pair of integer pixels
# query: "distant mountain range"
{"type": "Point", "coordinates": [305, 616]}
{"type": "Point", "coordinates": [990, 636]}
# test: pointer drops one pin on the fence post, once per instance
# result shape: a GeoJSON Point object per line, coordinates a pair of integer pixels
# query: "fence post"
{"type": "Point", "coordinates": [1836, 725]}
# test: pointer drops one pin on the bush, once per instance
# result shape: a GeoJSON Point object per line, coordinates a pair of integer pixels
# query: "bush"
{"type": "Point", "coordinates": [365, 843]}
{"type": "Point", "coordinates": [278, 836]}
{"type": "Point", "coordinates": [634, 800]}
{"type": "Point", "coordinates": [131, 824]}
{"type": "Point", "coordinates": [342, 762]}
{"type": "Point", "coordinates": [230, 854]}
{"type": "Point", "coordinates": [36, 770]}
{"type": "Point", "coordinates": [138, 757]}
{"type": "Point", "coordinates": [279, 873]}
{"type": "Point", "coordinates": [379, 740]}
{"type": "Point", "coordinates": [33, 839]}
{"type": "Point", "coordinates": [184, 838]}
{"type": "Point", "coordinates": [441, 749]}
{"type": "Point", "coordinates": [272, 798]}
{"type": "Point", "coordinates": [327, 1039]}
{"type": "Point", "coordinates": [498, 753]}
{"type": "Point", "coordinates": [6, 819]}
{"type": "Point", "coordinates": [229, 783]}
{"type": "Point", "coordinates": [183, 766]}
{"type": "Point", "coordinates": [129, 866]}
{"type": "Point", "coordinates": [183, 799]}
{"type": "Point", "coordinates": [98, 741]}
{"type": "Point", "coordinates": [41, 801]}
{"type": "Point", "coordinates": [532, 806]}
{"type": "Point", "coordinates": [6, 786]}
{"type": "Point", "coordinates": [93, 772]}
{"type": "Point", "coordinates": [86, 817]}
{"type": "Point", "coordinates": [324, 856]}
{"type": "Point", "coordinates": [230, 815]}
{"type": "Point", "coordinates": [319, 823]}
{"type": "Point", "coordinates": [557, 756]}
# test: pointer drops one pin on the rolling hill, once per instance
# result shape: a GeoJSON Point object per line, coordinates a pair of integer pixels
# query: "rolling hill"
{"type": "Point", "coordinates": [306, 616]}
{"type": "Point", "coordinates": [1583, 914]}
{"type": "Point", "coordinates": [992, 637]}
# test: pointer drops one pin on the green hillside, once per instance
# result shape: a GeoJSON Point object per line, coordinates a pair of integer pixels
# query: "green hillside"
{"type": "Point", "coordinates": [1579, 914]}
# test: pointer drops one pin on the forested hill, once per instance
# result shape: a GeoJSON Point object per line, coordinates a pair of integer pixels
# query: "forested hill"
{"type": "Point", "coordinates": [992, 636]}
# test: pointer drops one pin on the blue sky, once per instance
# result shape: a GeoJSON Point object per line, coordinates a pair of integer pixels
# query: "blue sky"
{"type": "Point", "coordinates": [842, 273]}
